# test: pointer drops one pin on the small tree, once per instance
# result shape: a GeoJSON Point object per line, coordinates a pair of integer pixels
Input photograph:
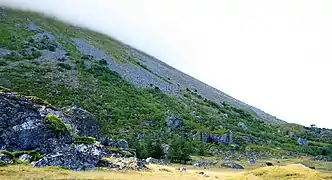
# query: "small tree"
{"type": "Point", "coordinates": [180, 150]}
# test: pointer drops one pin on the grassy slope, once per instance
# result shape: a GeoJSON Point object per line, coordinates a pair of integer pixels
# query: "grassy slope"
{"type": "Point", "coordinates": [118, 105]}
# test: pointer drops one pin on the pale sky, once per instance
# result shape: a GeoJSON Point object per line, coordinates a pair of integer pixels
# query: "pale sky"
{"type": "Point", "coordinates": [272, 54]}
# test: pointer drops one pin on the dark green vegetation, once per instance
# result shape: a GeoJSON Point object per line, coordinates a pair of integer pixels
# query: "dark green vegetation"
{"type": "Point", "coordinates": [127, 112]}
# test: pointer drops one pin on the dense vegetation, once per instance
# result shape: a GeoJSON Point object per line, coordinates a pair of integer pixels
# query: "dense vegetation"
{"type": "Point", "coordinates": [139, 115]}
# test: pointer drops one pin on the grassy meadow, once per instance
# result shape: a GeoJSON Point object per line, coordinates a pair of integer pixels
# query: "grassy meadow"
{"type": "Point", "coordinates": [283, 171]}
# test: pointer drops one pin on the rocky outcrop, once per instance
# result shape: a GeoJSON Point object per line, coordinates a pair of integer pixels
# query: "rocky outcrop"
{"type": "Point", "coordinates": [224, 139]}
{"type": "Point", "coordinates": [28, 123]}
{"type": "Point", "coordinates": [23, 126]}
{"type": "Point", "coordinates": [76, 157]}
{"type": "Point", "coordinates": [232, 165]}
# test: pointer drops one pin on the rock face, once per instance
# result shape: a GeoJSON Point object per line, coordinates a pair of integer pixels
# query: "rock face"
{"type": "Point", "coordinates": [302, 142]}
{"type": "Point", "coordinates": [24, 126]}
{"type": "Point", "coordinates": [224, 139]}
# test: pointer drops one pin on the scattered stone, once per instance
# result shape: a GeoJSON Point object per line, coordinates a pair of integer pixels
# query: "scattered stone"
{"type": "Point", "coordinates": [203, 173]}
{"type": "Point", "coordinates": [182, 169]}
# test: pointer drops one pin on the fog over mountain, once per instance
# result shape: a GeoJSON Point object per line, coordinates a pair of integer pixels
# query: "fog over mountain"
{"type": "Point", "coordinates": [275, 55]}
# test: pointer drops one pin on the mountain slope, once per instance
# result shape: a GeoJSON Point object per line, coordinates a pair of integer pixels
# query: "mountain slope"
{"type": "Point", "coordinates": [136, 97]}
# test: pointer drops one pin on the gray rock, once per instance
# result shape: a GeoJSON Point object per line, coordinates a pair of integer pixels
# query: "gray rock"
{"type": "Point", "coordinates": [122, 144]}
{"type": "Point", "coordinates": [302, 142]}
{"type": "Point", "coordinates": [242, 125]}
{"type": "Point", "coordinates": [140, 136]}
{"type": "Point", "coordinates": [25, 158]}
{"type": "Point", "coordinates": [232, 165]}
{"type": "Point", "coordinates": [4, 158]}
{"type": "Point", "coordinates": [85, 123]}
{"type": "Point", "coordinates": [32, 27]}
{"type": "Point", "coordinates": [77, 157]}
{"type": "Point", "coordinates": [166, 148]}
{"type": "Point", "coordinates": [22, 125]}
{"type": "Point", "coordinates": [252, 161]}
{"type": "Point", "coordinates": [225, 139]}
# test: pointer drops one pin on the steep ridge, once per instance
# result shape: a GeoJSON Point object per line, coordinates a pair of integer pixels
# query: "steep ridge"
{"type": "Point", "coordinates": [159, 110]}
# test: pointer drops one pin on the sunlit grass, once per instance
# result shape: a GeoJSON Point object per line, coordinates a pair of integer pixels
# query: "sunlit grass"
{"type": "Point", "coordinates": [289, 172]}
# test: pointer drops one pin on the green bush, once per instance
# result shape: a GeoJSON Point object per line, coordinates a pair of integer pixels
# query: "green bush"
{"type": "Point", "coordinates": [58, 126]}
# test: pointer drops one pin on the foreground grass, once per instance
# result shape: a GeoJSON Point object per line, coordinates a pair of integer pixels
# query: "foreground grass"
{"type": "Point", "coordinates": [20, 172]}
{"type": "Point", "coordinates": [155, 172]}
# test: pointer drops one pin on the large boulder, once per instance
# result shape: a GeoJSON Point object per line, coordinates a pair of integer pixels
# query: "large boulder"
{"type": "Point", "coordinates": [22, 126]}
{"type": "Point", "coordinates": [77, 157]}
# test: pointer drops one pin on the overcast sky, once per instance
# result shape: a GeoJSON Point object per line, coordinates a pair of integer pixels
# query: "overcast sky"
{"type": "Point", "coordinates": [272, 54]}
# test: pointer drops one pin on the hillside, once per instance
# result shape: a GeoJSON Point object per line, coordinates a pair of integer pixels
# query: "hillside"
{"type": "Point", "coordinates": [160, 111]}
